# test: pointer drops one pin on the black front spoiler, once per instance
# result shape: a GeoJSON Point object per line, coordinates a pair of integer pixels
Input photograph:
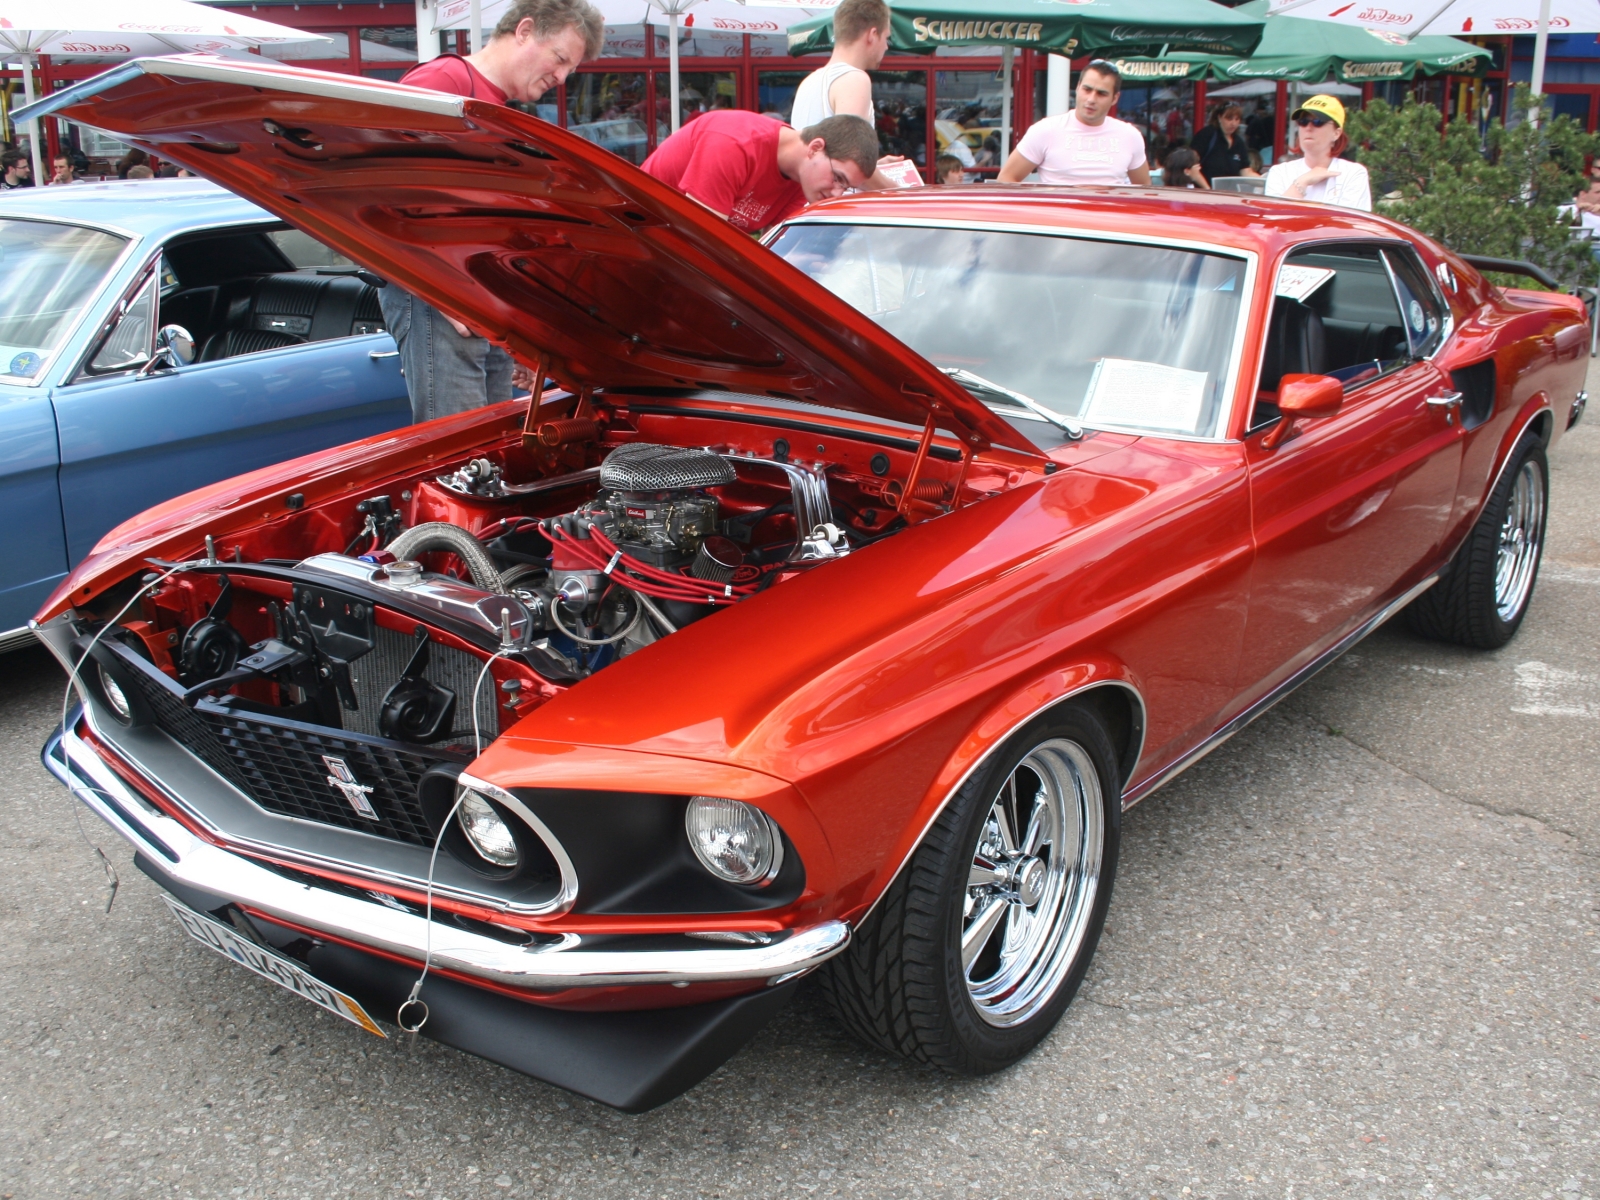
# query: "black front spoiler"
{"type": "Point", "coordinates": [633, 1061]}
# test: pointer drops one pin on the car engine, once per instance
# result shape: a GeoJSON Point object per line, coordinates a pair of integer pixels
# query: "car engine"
{"type": "Point", "coordinates": [394, 637]}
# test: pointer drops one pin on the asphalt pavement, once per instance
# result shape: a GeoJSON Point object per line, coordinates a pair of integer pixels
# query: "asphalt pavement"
{"type": "Point", "coordinates": [1352, 953]}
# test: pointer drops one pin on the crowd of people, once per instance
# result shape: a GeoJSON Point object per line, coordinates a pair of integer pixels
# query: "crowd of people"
{"type": "Point", "coordinates": [756, 172]}
{"type": "Point", "coordinates": [71, 165]}
{"type": "Point", "coordinates": [1089, 146]}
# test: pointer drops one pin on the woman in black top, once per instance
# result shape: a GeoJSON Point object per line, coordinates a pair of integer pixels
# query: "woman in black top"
{"type": "Point", "coordinates": [1221, 146]}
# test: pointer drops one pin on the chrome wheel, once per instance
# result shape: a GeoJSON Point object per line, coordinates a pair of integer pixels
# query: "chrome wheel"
{"type": "Point", "coordinates": [1033, 881]}
{"type": "Point", "coordinates": [1521, 534]}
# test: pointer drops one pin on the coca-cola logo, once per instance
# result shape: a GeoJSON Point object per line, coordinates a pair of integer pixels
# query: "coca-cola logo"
{"type": "Point", "coordinates": [733, 25]}
{"type": "Point", "coordinates": [1382, 16]}
{"type": "Point", "coordinates": [92, 48]}
{"type": "Point", "coordinates": [1515, 24]}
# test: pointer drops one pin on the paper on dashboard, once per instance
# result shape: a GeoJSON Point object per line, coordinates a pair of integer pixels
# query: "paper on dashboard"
{"type": "Point", "coordinates": [1145, 395]}
{"type": "Point", "coordinates": [1297, 282]}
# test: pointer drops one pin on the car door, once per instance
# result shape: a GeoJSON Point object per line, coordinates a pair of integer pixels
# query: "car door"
{"type": "Point", "coordinates": [33, 542]}
{"type": "Point", "coordinates": [131, 437]}
{"type": "Point", "coordinates": [1348, 509]}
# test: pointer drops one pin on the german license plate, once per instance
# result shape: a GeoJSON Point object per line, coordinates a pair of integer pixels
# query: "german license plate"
{"type": "Point", "coordinates": [269, 964]}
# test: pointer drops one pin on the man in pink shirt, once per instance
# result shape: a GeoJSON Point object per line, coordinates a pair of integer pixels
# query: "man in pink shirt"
{"type": "Point", "coordinates": [1086, 145]}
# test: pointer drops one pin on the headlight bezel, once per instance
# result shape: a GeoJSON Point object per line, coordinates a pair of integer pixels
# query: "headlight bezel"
{"type": "Point", "coordinates": [541, 860]}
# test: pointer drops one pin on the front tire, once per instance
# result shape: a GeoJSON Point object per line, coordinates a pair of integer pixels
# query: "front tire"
{"type": "Point", "coordinates": [1484, 594]}
{"type": "Point", "coordinates": [982, 940]}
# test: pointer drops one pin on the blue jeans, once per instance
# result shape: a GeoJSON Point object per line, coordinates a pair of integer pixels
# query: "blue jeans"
{"type": "Point", "coordinates": [445, 372]}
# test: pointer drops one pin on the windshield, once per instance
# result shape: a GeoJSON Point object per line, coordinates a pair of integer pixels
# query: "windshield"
{"type": "Point", "coordinates": [1112, 335]}
{"type": "Point", "coordinates": [52, 273]}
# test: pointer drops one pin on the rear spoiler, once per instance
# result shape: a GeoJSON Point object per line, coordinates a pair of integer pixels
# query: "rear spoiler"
{"type": "Point", "coordinates": [1513, 266]}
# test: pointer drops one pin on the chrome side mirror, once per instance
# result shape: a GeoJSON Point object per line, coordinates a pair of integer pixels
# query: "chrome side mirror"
{"type": "Point", "coordinates": [174, 349]}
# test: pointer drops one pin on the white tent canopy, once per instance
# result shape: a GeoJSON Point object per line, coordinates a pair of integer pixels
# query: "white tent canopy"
{"type": "Point", "coordinates": [1266, 87]}
{"type": "Point", "coordinates": [116, 29]}
{"type": "Point", "coordinates": [1460, 18]}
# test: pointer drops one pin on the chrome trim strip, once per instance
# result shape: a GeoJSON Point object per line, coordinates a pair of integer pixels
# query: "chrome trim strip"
{"type": "Point", "coordinates": [1142, 789]}
{"type": "Point", "coordinates": [17, 639]}
{"type": "Point", "coordinates": [999, 742]}
{"type": "Point", "coordinates": [1242, 325]}
{"type": "Point", "coordinates": [567, 894]}
{"type": "Point", "coordinates": [210, 869]}
{"type": "Point", "coordinates": [216, 70]}
{"type": "Point", "coordinates": [54, 636]}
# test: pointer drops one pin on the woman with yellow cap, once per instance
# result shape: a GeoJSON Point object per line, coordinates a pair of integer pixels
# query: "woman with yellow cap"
{"type": "Point", "coordinates": [1321, 174]}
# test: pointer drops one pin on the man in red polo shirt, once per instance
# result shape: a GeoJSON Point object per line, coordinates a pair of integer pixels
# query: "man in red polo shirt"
{"type": "Point", "coordinates": [535, 46]}
{"type": "Point", "coordinates": [756, 171]}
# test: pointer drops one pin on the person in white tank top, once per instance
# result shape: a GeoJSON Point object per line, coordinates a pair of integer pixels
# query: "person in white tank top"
{"type": "Point", "coordinates": [842, 86]}
{"type": "Point", "coordinates": [813, 98]}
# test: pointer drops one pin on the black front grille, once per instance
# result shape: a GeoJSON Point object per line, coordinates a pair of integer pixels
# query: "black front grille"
{"type": "Point", "coordinates": [283, 765]}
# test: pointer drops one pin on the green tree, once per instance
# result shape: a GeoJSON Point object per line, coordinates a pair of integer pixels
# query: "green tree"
{"type": "Point", "coordinates": [1499, 194]}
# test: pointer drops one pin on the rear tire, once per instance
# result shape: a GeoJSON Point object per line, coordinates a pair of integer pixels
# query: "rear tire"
{"type": "Point", "coordinates": [982, 940]}
{"type": "Point", "coordinates": [1483, 595]}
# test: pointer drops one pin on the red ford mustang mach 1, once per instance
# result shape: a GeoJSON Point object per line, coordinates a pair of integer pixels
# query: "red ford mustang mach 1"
{"type": "Point", "coordinates": [823, 614]}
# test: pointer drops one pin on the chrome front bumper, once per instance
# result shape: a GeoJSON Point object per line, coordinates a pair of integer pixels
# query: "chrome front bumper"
{"type": "Point", "coordinates": [197, 864]}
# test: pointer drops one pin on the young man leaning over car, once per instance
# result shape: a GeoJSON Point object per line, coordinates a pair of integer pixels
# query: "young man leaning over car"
{"type": "Point", "coordinates": [756, 172]}
{"type": "Point", "coordinates": [535, 47]}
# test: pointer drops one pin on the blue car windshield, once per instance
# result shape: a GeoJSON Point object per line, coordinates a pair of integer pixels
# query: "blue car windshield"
{"type": "Point", "coordinates": [1108, 334]}
{"type": "Point", "coordinates": [52, 273]}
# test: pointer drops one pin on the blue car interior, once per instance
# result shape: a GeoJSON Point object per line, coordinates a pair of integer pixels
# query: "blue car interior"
{"type": "Point", "coordinates": [238, 295]}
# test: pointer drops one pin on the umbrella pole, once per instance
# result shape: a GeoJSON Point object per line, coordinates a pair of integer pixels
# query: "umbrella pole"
{"type": "Point", "coordinates": [1057, 85]}
{"type": "Point", "coordinates": [1541, 47]}
{"type": "Point", "coordinates": [475, 15]}
{"type": "Point", "coordinates": [672, 58]}
{"type": "Point", "coordinates": [1006, 55]}
{"type": "Point", "coordinates": [39, 177]}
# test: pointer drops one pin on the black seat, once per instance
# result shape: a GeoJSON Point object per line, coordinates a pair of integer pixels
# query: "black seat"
{"type": "Point", "coordinates": [228, 343]}
{"type": "Point", "coordinates": [1296, 344]}
{"type": "Point", "coordinates": [290, 308]}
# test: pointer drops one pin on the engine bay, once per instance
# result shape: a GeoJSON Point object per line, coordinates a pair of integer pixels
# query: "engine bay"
{"type": "Point", "coordinates": [444, 606]}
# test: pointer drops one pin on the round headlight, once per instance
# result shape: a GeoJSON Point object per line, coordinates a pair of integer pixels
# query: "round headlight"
{"type": "Point", "coordinates": [114, 695]}
{"type": "Point", "coordinates": [733, 840]}
{"type": "Point", "coordinates": [486, 831]}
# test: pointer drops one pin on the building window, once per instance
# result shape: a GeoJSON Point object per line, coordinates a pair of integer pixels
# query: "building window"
{"type": "Point", "coordinates": [777, 89]}
{"type": "Point", "coordinates": [387, 44]}
{"type": "Point", "coordinates": [610, 109]}
{"type": "Point", "coordinates": [900, 99]}
{"type": "Point", "coordinates": [971, 110]}
{"type": "Point", "coordinates": [337, 46]}
{"type": "Point", "coordinates": [698, 92]}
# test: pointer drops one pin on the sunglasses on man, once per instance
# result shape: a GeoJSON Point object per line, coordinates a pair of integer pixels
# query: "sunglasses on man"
{"type": "Point", "coordinates": [1315, 122]}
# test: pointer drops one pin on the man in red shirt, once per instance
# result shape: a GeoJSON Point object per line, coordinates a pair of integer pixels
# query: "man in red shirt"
{"type": "Point", "coordinates": [756, 171]}
{"type": "Point", "coordinates": [535, 46]}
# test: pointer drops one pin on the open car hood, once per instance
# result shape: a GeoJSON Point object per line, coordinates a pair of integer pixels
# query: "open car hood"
{"type": "Point", "coordinates": [531, 235]}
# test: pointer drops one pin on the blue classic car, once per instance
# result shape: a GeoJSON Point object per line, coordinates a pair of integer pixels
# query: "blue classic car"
{"type": "Point", "coordinates": [156, 336]}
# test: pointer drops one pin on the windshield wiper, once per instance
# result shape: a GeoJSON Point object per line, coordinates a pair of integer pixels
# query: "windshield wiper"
{"type": "Point", "coordinates": [967, 379]}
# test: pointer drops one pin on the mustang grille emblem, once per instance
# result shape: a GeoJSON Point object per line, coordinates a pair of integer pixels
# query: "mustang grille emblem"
{"type": "Point", "coordinates": [341, 777]}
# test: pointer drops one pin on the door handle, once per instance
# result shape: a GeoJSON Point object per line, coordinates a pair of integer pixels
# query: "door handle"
{"type": "Point", "coordinates": [1448, 400]}
{"type": "Point", "coordinates": [375, 355]}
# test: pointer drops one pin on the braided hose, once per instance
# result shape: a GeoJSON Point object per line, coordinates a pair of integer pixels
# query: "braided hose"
{"type": "Point", "coordinates": [441, 535]}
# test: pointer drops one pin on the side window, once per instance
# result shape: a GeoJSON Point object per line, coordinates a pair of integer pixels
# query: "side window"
{"type": "Point", "coordinates": [1334, 312]}
{"type": "Point", "coordinates": [304, 251]}
{"type": "Point", "coordinates": [131, 341]}
{"type": "Point", "coordinates": [1420, 304]}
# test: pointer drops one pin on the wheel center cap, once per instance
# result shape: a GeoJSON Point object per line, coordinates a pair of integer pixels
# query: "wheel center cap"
{"type": "Point", "coordinates": [1030, 876]}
